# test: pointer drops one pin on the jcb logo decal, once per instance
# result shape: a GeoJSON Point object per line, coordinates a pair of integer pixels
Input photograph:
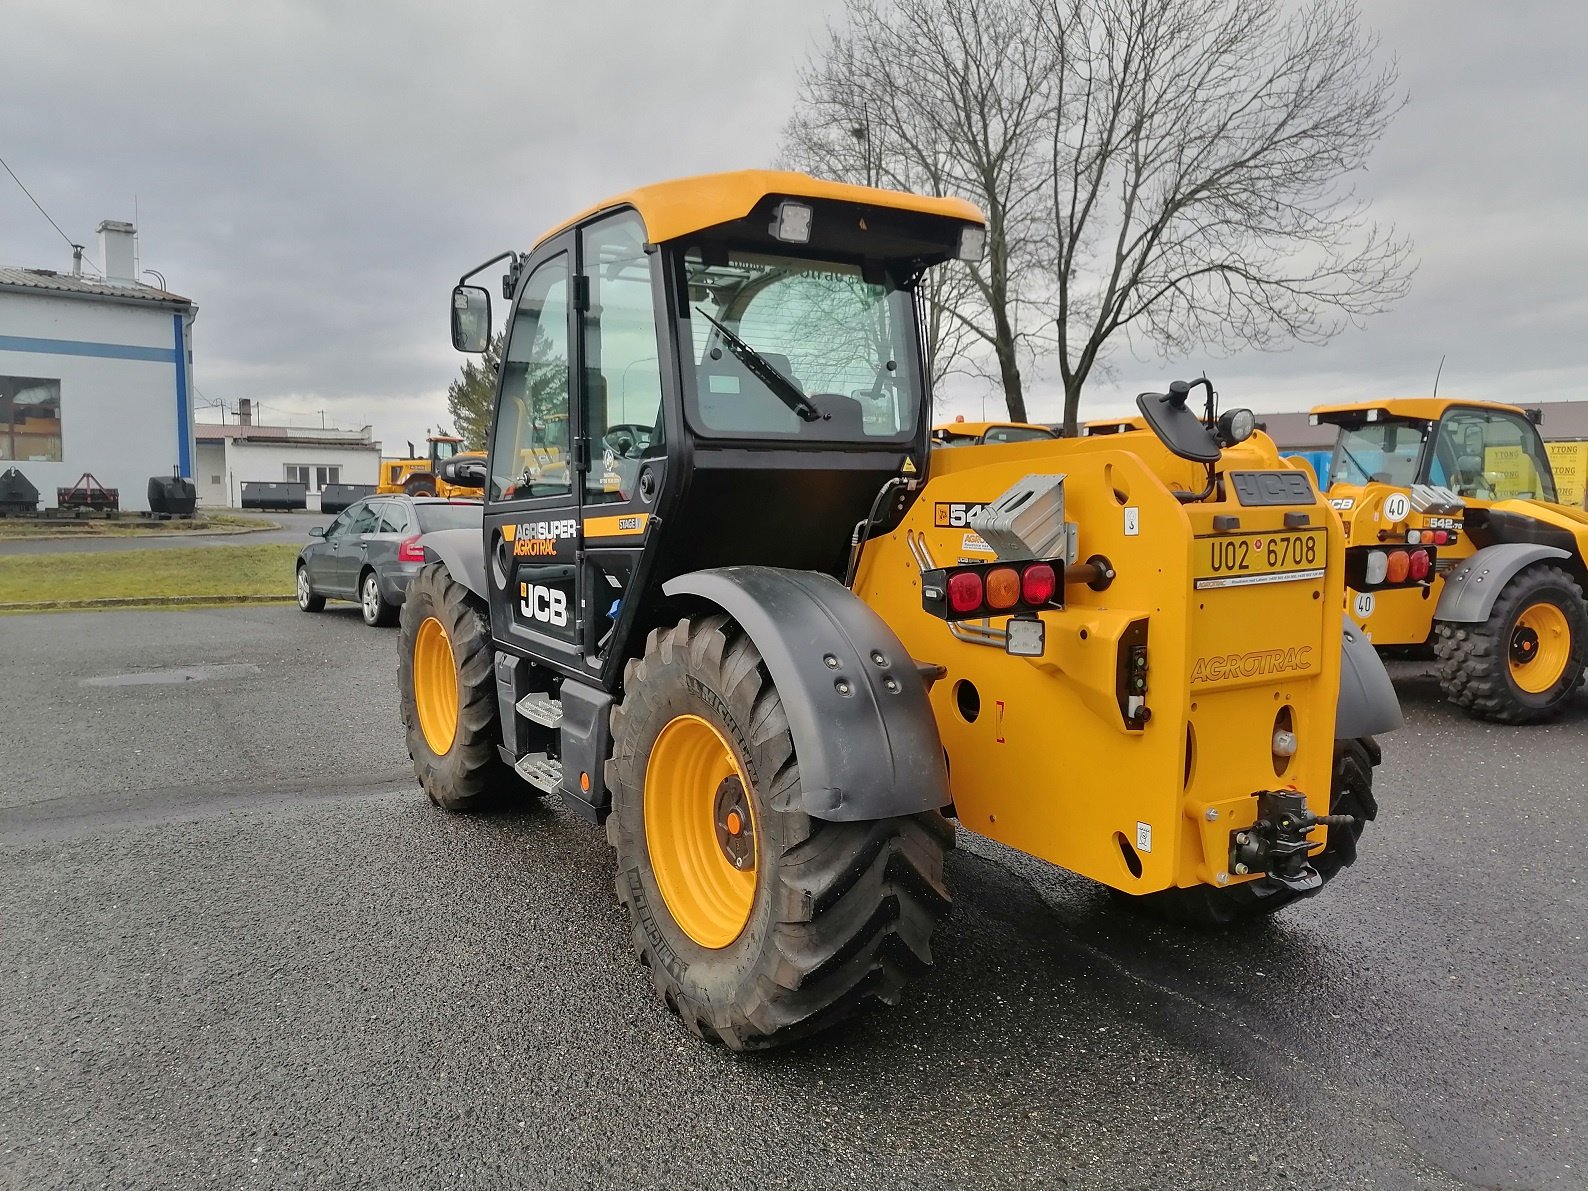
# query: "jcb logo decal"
{"type": "Point", "coordinates": [543, 603]}
{"type": "Point", "coordinates": [953, 516]}
{"type": "Point", "coordinates": [1222, 666]}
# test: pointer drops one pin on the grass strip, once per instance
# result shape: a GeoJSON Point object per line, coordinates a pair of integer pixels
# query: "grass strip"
{"type": "Point", "coordinates": [218, 573]}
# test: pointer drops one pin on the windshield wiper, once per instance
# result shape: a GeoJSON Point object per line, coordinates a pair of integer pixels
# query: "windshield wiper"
{"type": "Point", "coordinates": [1355, 462]}
{"type": "Point", "coordinates": [766, 372]}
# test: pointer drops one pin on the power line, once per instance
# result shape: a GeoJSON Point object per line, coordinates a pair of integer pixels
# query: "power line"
{"type": "Point", "coordinates": [45, 213]}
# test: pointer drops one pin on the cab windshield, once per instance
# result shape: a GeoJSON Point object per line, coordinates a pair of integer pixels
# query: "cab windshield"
{"type": "Point", "coordinates": [798, 349]}
{"type": "Point", "coordinates": [1385, 452]}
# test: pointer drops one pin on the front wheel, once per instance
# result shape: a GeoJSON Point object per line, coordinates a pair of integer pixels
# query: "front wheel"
{"type": "Point", "coordinates": [1522, 664]}
{"type": "Point", "coordinates": [1350, 793]}
{"type": "Point", "coordinates": [307, 600]}
{"type": "Point", "coordinates": [448, 694]}
{"type": "Point", "coordinates": [759, 924]}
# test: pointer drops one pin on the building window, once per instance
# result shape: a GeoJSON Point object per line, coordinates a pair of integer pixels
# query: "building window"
{"type": "Point", "coordinates": [30, 419]}
{"type": "Point", "coordinates": [311, 477]}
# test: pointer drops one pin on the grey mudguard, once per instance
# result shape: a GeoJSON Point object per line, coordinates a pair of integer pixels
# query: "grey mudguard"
{"type": "Point", "coordinates": [873, 753]}
{"type": "Point", "coordinates": [463, 551]}
{"type": "Point", "coordinates": [1472, 588]}
{"type": "Point", "coordinates": [1367, 704]}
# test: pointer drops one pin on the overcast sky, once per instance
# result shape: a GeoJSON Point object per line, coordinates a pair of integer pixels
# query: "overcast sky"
{"type": "Point", "coordinates": [316, 175]}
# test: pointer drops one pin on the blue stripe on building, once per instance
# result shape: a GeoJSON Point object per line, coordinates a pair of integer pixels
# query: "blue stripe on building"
{"type": "Point", "coordinates": [183, 440]}
{"type": "Point", "coordinates": [103, 351]}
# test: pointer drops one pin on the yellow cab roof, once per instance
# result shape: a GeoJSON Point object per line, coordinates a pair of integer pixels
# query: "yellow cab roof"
{"type": "Point", "coordinates": [685, 205]}
{"type": "Point", "coordinates": [1427, 409]}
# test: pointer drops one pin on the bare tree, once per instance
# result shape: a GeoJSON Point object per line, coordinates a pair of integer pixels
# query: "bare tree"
{"type": "Point", "coordinates": [945, 97]}
{"type": "Point", "coordinates": [1169, 172]}
{"type": "Point", "coordinates": [1200, 155]}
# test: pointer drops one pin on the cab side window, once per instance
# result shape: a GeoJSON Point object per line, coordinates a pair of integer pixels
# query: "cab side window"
{"type": "Point", "coordinates": [529, 444]}
{"type": "Point", "coordinates": [623, 376]}
{"type": "Point", "coordinates": [1493, 455]}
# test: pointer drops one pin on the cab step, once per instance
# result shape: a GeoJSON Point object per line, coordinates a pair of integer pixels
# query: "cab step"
{"type": "Point", "coordinates": [541, 708]}
{"type": "Point", "coordinates": [540, 771]}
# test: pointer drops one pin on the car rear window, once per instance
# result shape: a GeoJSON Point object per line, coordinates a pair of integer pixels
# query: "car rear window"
{"type": "Point", "coordinates": [434, 517]}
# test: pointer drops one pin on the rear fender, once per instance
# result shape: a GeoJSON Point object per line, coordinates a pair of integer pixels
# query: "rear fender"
{"type": "Point", "coordinates": [872, 753]}
{"type": "Point", "coordinates": [1472, 588]}
{"type": "Point", "coordinates": [462, 551]}
{"type": "Point", "coordinates": [1367, 703]}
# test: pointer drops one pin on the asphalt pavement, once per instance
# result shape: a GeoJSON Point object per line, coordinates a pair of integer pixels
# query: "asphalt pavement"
{"type": "Point", "coordinates": [243, 949]}
{"type": "Point", "coordinates": [285, 527]}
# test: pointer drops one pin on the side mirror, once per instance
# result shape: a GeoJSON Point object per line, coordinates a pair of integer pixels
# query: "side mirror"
{"type": "Point", "coordinates": [465, 473]}
{"type": "Point", "coordinates": [317, 531]}
{"type": "Point", "coordinates": [471, 318]}
{"type": "Point", "coordinates": [1176, 426]}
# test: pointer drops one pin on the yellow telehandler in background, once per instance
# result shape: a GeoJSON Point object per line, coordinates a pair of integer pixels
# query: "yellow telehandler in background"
{"type": "Point", "coordinates": [1455, 539]}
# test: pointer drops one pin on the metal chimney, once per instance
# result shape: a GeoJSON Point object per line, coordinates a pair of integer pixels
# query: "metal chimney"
{"type": "Point", "coordinates": [118, 249]}
{"type": "Point", "coordinates": [245, 412]}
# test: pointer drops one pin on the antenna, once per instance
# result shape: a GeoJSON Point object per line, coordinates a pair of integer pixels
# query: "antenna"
{"type": "Point", "coordinates": [1437, 371]}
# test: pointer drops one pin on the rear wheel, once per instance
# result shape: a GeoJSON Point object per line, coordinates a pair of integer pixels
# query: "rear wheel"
{"type": "Point", "coordinates": [448, 692]}
{"type": "Point", "coordinates": [1522, 664]}
{"type": "Point", "coordinates": [1351, 793]}
{"type": "Point", "coordinates": [420, 486]}
{"type": "Point", "coordinates": [759, 924]}
{"type": "Point", "coordinates": [307, 600]}
{"type": "Point", "coordinates": [377, 612]}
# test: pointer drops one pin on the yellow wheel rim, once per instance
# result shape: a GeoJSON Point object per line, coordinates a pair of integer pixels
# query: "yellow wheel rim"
{"type": "Point", "coordinates": [1540, 648]}
{"type": "Point", "coordinates": [694, 817]}
{"type": "Point", "coordinates": [436, 686]}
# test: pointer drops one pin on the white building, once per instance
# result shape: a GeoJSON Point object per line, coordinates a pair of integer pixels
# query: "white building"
{"type": "Point", "coordinates": [95, 376]}
{"type": "Point", "coordinates": [229, 456]}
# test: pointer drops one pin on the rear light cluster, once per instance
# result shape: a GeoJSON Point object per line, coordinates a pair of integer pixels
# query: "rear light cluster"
{"type": "Point", "coordinates": [1370, 568]}
{"type": "Point", "coordinates": [1430, 537]}
{"type": "Point", "coordinates": [991, 589]}
{"type": "Point", "coordinates": [409, 550]}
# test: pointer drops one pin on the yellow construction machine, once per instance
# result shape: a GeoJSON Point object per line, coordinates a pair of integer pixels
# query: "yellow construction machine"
{"type": "Point", "coordinates": [1454, 539]}
{"type": "Point", "coordinates": [781, 647]}
{"type": "Point", "coordinates": [446, 469]}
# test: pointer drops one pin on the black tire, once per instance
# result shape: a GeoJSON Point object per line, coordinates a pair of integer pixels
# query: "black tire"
{"type": "Point", "coordinates": [420, 486]}
{"type": "Point", "coordinates": [1475, 668]}
{"type": "Point", "coordinates": [307, 600]}
{"type": "Point", "coordinates": [1351, 793]}
{"type": "Point", "coordinates": [842, 913]}
{"type": "Point", "coordinates": [377, 612]}
{"type": "Point", "coordinates": [469, 775]}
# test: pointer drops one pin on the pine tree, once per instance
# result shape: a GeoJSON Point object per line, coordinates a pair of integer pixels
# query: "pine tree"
{"type": "Point", "coordinates": [469, 396]}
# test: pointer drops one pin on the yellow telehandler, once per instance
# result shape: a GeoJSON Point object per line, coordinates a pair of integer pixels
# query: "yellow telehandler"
{"type": "Point", "coordinates": [1455, 539]}
{"type": "Point", "coordinates": [780, 646]}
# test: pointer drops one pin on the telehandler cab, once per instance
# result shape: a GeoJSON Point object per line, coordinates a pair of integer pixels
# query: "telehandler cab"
{"type": "Point", "coordinates": [1454, 538]}
{"type": "Point", "coordinates": [778, 644]}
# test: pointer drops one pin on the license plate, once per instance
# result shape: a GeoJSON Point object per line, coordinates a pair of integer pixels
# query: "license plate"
{"type": "Point", "coordinates": [1250, 559]}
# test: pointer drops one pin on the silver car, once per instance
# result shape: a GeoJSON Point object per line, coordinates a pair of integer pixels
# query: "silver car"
{"type": "Point", "coordinates": [371, 550]}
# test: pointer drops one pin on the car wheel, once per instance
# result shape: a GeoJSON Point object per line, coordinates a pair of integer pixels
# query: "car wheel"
{"type": "Point", "coordinates": [378, 613]}
{"type": "Point", "coordinates": [307, 600]}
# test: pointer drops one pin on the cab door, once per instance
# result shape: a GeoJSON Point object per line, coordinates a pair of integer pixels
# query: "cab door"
{"type": "Point", "coordinates": [532, 526]}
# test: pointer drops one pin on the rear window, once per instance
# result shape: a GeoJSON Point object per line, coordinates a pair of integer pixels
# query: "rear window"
{"type": "Point", "coordinates": [434, 517]}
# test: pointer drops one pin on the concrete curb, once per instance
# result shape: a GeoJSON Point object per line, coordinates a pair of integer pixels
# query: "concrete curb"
{"type": "Point", "coordinates": [229, 531]}
{"type": "Point", "coordinates": [181, 601]}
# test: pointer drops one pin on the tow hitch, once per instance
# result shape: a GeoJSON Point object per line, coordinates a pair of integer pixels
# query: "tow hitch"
{"type": "Point", "coordinates": [1277, 843]}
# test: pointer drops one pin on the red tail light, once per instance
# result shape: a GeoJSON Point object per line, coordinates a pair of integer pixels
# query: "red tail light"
{"type": "Point", "coordinates": [964, 591]}
{"type": "Point", "coordinates": [1419, 565]}
{"type": "Point", "coordinates": [1441, 538]}
{"type": "Point", "coordinates": [409, 550]}
{"type": "Point", "coordinates": [1038, 583]}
